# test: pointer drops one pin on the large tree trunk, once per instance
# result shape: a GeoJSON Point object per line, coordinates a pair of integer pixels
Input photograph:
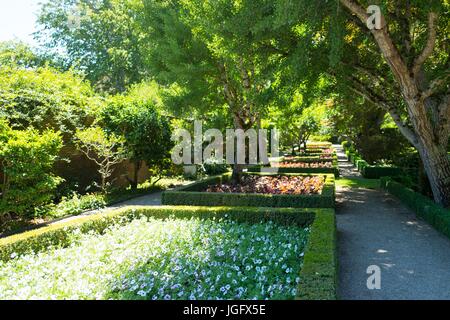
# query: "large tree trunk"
{"type": "Point", "coordinates": [430, 121]}
{"type": "Point", "coordinates": [238, 169]}
{"type": "Point", "coordinates": [437, 167]}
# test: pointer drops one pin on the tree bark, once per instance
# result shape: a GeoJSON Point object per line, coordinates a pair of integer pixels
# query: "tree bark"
{"type": "Point", "coordinates": [430, 123]}
{"type": "Point", "coordinates": [134, 182]}
{"type": "Point", "coordinates": [437, 166]}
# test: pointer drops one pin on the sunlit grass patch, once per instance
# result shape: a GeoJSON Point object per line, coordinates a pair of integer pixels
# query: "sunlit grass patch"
{"type": "Point", "coordinates": [358, 183]}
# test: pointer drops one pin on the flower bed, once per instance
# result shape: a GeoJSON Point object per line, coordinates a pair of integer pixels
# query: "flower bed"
{"type": "Point", "coordinates": [286, 164]}
{"type": "Point", "coordinates": [195, 194]}
{"type": "Point", "coordinates": [176, 253]}
{"type": "Point", "coordinates": [273, 185]}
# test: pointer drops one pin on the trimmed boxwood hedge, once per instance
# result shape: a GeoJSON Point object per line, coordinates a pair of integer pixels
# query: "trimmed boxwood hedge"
{"type": "Point", "coordinates": [424, 207]}
{"type": "Point", "coordinates": [376, 172]}
{"type": "Point", "coordinates": [368, 171]}
{"type": "Point", "coordinates": [194, 194]}
{"type": "Point", "coordinates": [318, 274]}
{"type": "Point", "coordinates": [333, 170]}
{"type": "Point", "coordinates": [318, 277]}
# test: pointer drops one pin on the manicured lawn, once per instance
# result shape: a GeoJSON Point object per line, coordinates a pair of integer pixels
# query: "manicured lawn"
{"type": "Point", "coordinates": [164, 259]}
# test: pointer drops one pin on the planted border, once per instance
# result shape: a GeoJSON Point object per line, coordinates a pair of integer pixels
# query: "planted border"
{"type": "Point", "coordinates": [334, 170]}
{"type": "Point", "coordinates": [369, 171]}
{"type": "Point", "coordinates": [318, 274]}
{"type": "Point", "coordinates": [194, 194]}
{"type": "Point", "coordinates": [424, 207]}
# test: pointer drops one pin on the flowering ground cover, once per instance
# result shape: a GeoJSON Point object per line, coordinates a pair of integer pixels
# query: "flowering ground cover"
{"type": "Point", "coordinates": [286, 164]}
{"type": "Point", "coordinates": [164, 259]}
{"type": "Point", "coordinates": [295, 185]}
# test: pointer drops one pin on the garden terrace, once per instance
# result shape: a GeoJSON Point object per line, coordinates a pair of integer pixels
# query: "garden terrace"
{"type": "Point", "coordinates": [195, 194]}
{"type": "Point", "coordinates": [125, 245]}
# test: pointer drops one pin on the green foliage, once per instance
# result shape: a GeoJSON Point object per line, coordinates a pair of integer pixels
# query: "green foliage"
{"type": "Point", "coordinates": [27, 159]}
{"type": "Point", "coordinates": [213, 166]}
{"type": "Point", "coordinates": [69, 206]}
{"type": "Point", "coordinates": [193, 194]}
{"type": "Point", "coordinates": [15, 53]}
{"type": "Point", "coordinates": [424, 207]}
{"type": "Point", "coordinates": [105, 151]}
{"type": "Point", "coordinates": [358, 183]}
{"type": "Point", "coordinates": [318, 275]}
{"type": "Point", "coordinates": [211, 54]}
{"type": "Point", "coordinates": [59, 234]}
{"type": "Point", "coordinates": [46, 99]}
{"type": "Point", "coordinates": [102, 38]}
{"type": "Point", "coordinates": [146, 134]}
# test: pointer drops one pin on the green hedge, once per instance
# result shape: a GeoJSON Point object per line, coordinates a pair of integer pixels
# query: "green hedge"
{"type": "Point", "coordinates": [193, 194]}
{"type": "Point", "coordinates": [368, 171]}
{"type": "Point", "coordinates": [333, 170]}
{"type": "Point", "coordinates": [319, 278]}
{"type": "Point", "coordinates": [318, 275]}
{"type": "Point", "coordinates": [424, 207]}
{"type": "Point", "coordinates": [376, 172]}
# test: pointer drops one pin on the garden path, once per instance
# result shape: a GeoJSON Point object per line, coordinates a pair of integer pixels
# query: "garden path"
{"type": "Point", "coordinates": [376, 229]}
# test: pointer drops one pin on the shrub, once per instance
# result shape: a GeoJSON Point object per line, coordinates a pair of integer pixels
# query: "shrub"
{"type": "Point", "coordinates": [27, 160]}
{"type": "Point", "coordinates": [45, 98]}
{"type": "Point", "coordinates": [213, 166]}
{"type": "Point", "coordinates": [146, 133]}
{"type": "Point", "coordinates": [77, 204]}
{"type": "Point", "coordinates": [424, 207]}
{"type": "Point", "coordinates": [194, 194]}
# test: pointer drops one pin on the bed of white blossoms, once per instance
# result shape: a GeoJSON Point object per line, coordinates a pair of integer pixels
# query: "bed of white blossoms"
{"type": "Point", "coordinates": [170, 259]}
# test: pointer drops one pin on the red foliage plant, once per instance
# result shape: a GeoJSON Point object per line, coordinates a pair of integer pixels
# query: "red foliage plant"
{"type": "Point", "coordinates": [294, 185]}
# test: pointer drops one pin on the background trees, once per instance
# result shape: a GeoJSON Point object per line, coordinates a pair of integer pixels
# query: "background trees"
{"type": "Point", "coordinates": [146, 134]}
{"type": "Point", "coordinates": [402, 68]}
{"type": "Point", "coordinates": [100, 37]}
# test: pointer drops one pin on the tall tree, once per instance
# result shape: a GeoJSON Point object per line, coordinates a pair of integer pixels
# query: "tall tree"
{"type": "Point", "coordinates": [401, 67]}
{"type": "Point", "coordinates": [211, 53]}
{"type": "Point", "coordinates": [101, 37]}
{"type": "Point", "coordinates": [413, 45]}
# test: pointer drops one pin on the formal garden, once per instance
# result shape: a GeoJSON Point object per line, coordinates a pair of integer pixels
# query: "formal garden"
{"type": "Point", "coordinates": [94, 205]}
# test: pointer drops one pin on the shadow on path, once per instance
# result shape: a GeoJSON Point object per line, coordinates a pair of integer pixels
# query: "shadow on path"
{"type": "Point", "coordinates": [376, 229]}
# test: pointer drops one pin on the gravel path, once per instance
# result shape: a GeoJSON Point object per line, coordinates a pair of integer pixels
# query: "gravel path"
{"type": "Point", "coordinates": [376, 229]}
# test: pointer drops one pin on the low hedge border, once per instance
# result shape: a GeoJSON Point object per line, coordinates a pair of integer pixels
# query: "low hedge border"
{"type": "Point", "coordinates": [193, 194]}
{"type": "Point", "coordinates": [368, 171]}
{"type": "Point", "coordinates": [319, 277]}
{"type": "Point", "coordinates": [334, 159]}
{"type": "Point", "coordinates": [424, 207]}
{"type": "Point", "coordinates": [333, 170]}
{"type": "Point", "coordinates": [318, 274]}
